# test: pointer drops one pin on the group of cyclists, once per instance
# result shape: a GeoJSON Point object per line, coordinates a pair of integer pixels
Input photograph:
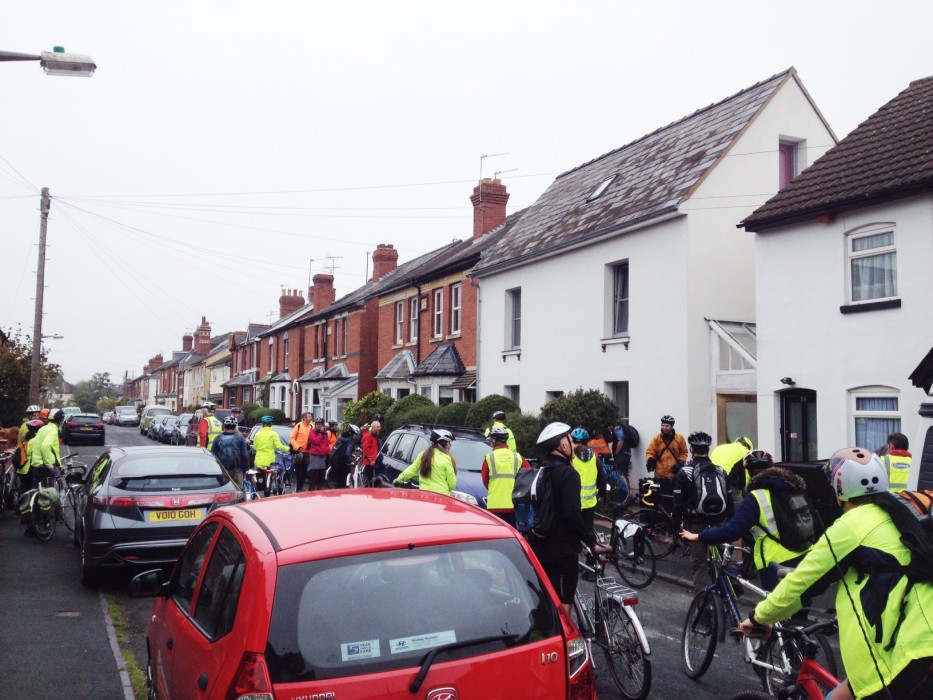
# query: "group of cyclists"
{"type": "Point", "coordinates": [38, 449]}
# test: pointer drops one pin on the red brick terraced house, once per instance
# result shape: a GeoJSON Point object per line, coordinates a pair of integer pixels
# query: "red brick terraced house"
{"type": "Point", "coordinates": [244, 368]}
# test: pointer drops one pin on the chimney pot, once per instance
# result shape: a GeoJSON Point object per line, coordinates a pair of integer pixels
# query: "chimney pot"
{"type": "Point", "coordinates": [489, 199]}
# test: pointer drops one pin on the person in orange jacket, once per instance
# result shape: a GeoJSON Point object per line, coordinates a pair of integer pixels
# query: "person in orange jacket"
{"type": "Point", "coordinates": [299, 444]}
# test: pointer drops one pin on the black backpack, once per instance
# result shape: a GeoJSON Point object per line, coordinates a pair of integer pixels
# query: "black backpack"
{"type": "Point", "coordinates": [910, 512]}
{"type": "Point", "coordinates": [797, 529]}
{"type": "Point", "coordinates": [632, 438]}
{"type": "Point", "coordinates": [338, 456]}
{"type": "Point", "coordinates": [711, 495]}
{"type": "Point", "coordinates": [535, 510]}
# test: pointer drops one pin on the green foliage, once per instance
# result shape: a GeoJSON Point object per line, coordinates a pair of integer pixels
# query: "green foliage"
{"type": "Point", "coordinates": [426, 413]}
{"type": "Point", "coordinates": [257, 414]}
{"type": "Point", "coordinates": [454, 413]}
{"type": "Point", "coordinates": [88, 393]}
{"type": "Point", "coordinates": [362, 411]}
{"type": "Point", "coordinates": [584, 408]}
{"type": "Point", "coordinates": [399, 412]}
{"type": "Point", "coordinates": [15, 364]}
{"type": "Point", "coordinates": [526, 428]}
{"type": "Point", "coordinates": [264, 390]}
{"type": "Point", "coordinates": [480, 415]}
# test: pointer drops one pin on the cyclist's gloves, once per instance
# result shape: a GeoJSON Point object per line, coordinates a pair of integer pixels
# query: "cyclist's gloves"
{"type": "Point", "coordinates": [678, 465]}
{"type": "Point", "coordinates": [649, 465]}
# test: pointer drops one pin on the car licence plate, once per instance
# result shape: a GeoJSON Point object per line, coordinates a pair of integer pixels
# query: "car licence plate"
{"type": "Point", "coordinates": [87, 429]}
{"type": "Point", "coordinates": [165, 516]}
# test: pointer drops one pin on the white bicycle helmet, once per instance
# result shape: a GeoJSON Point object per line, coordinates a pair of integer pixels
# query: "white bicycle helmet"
{"type": "Point", "coordinates": [354, 429]}
{"type": "Point", "coordinates": [33, 409]}
{"type": "Point", "coordinates": [854, 472]}
{"type": "Point", "coordinates": [552, 432]}
{"type": "Point", "coordinates": [499, 435]}
{"type": "Point", "coordinates": [440, 435]}
{"type": "Point", "coordinates": [208, 405]}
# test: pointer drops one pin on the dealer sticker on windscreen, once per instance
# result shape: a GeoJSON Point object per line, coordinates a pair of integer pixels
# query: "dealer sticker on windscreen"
{"type": "Point", "coordinates": [354, 651]}
{"type": "Point", "coordinates": [422, 641]}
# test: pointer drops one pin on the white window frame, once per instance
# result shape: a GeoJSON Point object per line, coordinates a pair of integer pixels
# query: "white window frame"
{"type": "Point", "coordinates": [346, 335]}
{"type": "Point", "coordinates": [337, 336]}
{"type": "Point", "coordinates": [285, 351]}
{"type": "Point", "coordinates": [413, 321]}
{"type": "Point", "coordinates": [456, 306]}
{"type": "Point", "coordinates": [878, 231]}
{"type": "Point", "coordinates": [272, 355]}
{"type": "Point", "coordinates": [513, 319]}
{"type": "Point", "coordinates": [399, 322]}
{"type": "Point", "coordinates": [862, 411]}
{"type": "Point", "coordinates": [437, 329]}
{"type": "Point", "coordinates": [619, 299]}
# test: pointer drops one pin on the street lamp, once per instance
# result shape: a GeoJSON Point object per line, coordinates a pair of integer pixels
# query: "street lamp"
{"type": "Point", "coordinates": [56, 62]}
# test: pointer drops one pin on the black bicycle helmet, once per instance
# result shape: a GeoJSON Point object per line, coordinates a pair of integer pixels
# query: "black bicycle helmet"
{"type": "Point", "coordinates": [498, 415]}
{"type": "Point", "coordinates": [757, 460]}
{"type": "Point", "coordinates": [700, 439]}
{"type": "Point", "coordinates": [667, 419]}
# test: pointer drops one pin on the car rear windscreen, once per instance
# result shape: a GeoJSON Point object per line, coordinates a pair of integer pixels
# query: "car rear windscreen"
{"type": "Point", "coordinates": [84, 420]}
{"type": "Point", "coordinates": [185, 473]}
{"type": "Point", "coordinates": [384, 611]}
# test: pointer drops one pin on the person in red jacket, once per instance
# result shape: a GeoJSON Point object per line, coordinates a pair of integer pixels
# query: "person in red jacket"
{"type": "Point", "coordinates": [318, 450]}
{"type": "Point", "coordinates": [370, 447]}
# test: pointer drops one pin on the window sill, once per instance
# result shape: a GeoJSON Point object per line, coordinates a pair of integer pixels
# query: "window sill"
{"type": "Point", "coordinates": [437, 339]}
{"type": "Point", "coordinates": [411, 343]}
{"type": "Point", "coordinates": [622, 340]}
{"type": "Point", "coordinates": [516, 353]}
{"type": "Point", "coordinates": [454, 336]}
{"type": "Point", "coordinates": [870, 306]}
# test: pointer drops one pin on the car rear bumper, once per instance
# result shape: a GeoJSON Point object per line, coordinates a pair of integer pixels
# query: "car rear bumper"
{"type": "Point", "coordinates": [120, 554]}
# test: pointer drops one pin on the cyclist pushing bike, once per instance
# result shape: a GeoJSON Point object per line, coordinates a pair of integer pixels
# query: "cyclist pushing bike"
{"type": "Point", "coordinates": [230, 448]}
{"type": "Point", "coordinates": [885, 626]}
{"type": "Point", "coordinates": [267, 442]}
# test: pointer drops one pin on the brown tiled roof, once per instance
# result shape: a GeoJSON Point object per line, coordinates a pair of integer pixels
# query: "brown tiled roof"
{"type": "Point", "coordinates": [652, 176]}
{"type": "Point", "coordinates": [888, 156]}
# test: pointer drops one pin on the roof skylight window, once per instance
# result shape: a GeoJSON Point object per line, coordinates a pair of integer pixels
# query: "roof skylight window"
{"type": "Point", "coordinates": [601, 188]}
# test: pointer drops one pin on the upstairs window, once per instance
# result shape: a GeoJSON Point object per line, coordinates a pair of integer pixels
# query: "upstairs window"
{"type": "Point", "coordinates": [620, 299]}
{"type": "Point", "coordinates": [399, 321]}
{"type": "Point", "coordinates": [872, 265]}
{"type": "Point", "coordinates": [513, 310]}
{"type": "Point", "coordinates": [787, 163]}
{"type": "Point", "coordinates": [346, 335]}
{"type": "Point", "coordinates": [285, 353]}
{"type": "Point", "coordinates": [272, 355]}
{"type": "Point", "coordinates": [456, 292]}
{"type": "Point", "coordinates": [413, 320]}
{"type": "Point", "coordinates": [438, 329]}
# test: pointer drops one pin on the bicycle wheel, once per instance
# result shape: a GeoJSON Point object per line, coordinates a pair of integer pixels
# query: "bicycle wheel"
{"type": "Point", "coordinates": [635, 560]}
{"type": "Point", "coordinates": [628, 665]}
{"type": "Point", "coordinates": [70, 507]}
{"type": "Point", "coordinates": [775, 675]}
{"type": "Point", "coordinates": [660, 528]}
{"type": "Point", "coordinates": [42, 515]}
{"type": "Point", "coordinates": [701, 630]}
{"type": "Point", "coordinates": [249, 490]}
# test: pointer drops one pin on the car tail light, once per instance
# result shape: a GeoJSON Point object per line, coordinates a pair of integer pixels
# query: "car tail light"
{"type": "Point", "coordinates": [251, 681]}
{"type": "Point", "coordinates": [98, 425]}
{"type": "Point", "coordinates": [115, 501]}
{"type": "Point", "coordinates": [224, 498]}
{"type": "Point", "coordinates": [71, 424]}
{"type": "Point", "coordinates": [581, 682]}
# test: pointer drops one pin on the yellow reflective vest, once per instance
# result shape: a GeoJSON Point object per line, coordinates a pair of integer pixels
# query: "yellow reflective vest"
{"type": "Point", "coordinates": [898, 466]}
{"type": "Point", "coordinates": [503, 465]}
{"type": "Point", "coordinates": [588, 472]}
{"type": "Point", "coordinates": [766, 549]}
{"type": "Point", "coordinates": [727, 454]}
{"type": "Point", "coordinates": [214, 428]}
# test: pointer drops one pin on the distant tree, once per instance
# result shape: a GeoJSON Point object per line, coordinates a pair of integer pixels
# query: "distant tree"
{"type": "Point", "coordinates": [88, 393]}
{"type": "Point", "coordinates": [15, 366]}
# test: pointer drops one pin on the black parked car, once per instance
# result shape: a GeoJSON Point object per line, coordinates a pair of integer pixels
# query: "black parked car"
{"type": "Point", "coordinates": [469, 448]}
{"type": "Point", "coordinates": [144, 502]}
{"type": "Point", "coordinates": [83, 428]}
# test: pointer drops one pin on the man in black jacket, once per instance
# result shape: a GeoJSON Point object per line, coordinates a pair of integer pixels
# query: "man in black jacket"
{"type": "Point", "coordinates": [558, 551]}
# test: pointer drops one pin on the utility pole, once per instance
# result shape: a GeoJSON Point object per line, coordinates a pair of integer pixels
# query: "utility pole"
{"type": "Point", "coordinates": [45, 204]}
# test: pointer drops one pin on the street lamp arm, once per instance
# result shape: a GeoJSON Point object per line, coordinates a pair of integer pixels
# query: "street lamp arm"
{"type": "Point", "coordinates": [13, 56]}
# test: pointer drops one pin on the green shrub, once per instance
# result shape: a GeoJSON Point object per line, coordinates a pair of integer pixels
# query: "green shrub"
{"type": "Point", "coordinates": [401, 408]}
{"type": "Point", "coordinates": [584, 408]}
{"type": "Point", "coordinates": [454, 413]}
{"type": "Point", "coordinates": [257, 414]}
{"type": "Point", "coordinates": [526, 428]}
{"type": "Point", "coordinates": [480, 415]}
{"type": "Point", "coordinates": [416, 414]}
{"type": "Point", "coordinates": [362, 411]}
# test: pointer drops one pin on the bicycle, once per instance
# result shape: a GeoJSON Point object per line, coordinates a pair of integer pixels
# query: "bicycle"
{"type": "Point", "coordinates": [813, 681]}
{"type": "Point", "coordinates": [59, 498]}
{"type": "Point", "coordinates": [9, 481]}
{"type": "Point", "coordinates": [774, 661]}
{"type": "Point", "coordinates": [609, 621]}
{"type": "Point", "coordinates": [249, 484]}
{"type": "Point", "coordinates": [657, 519]}
{"type": "Point", "coordinates": [632, 552]}
{"type": "Point", "coordinates": [70, 484]}
{"type": "Point", "coordinates": [276, 473]}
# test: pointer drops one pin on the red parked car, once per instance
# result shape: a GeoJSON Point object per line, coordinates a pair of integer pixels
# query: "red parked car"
{"type": "Point", "coordinates": [386, 593]}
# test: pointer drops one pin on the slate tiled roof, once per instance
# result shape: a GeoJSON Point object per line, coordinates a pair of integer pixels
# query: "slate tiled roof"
{"type": "Point", "coordinates": [240, 380]}
{"type": "Point", "coordinates": [922, 376]}
{"type": "Point", "coordinates": [444, 359]}
{"type": "Point", "coordinates": [312, 375]}
{"type": "Point", "coordinates": [283, 377]}
{"type": "Point", "coordinates": [399, 367]}
{"type": "Point", "coordinates": [888, 156]}
{"type": "Point", "coordinates": [651, 177]}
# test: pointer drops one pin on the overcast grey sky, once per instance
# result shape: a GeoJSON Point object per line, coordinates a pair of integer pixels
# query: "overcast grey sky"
{"type": "Point", "coordinates": [224, 150]}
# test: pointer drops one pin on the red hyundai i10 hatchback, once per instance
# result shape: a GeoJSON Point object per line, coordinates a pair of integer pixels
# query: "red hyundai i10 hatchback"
{"type": "Point", "coordinates": [369, 593]}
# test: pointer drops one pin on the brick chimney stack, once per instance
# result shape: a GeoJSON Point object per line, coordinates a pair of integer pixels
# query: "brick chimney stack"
{"type": "Point", "coordinates": [322, 291]}
{"type": "Point", "coordinates": [187, 340]}
{"type": "Point", "coordinates": [291, 300]}
{"type": "Point", "coordinates": [489, 199]}
{"type": "Point", "coordinates": [202, 337]}
{"type": "Point", "coordinates": [385, 259]}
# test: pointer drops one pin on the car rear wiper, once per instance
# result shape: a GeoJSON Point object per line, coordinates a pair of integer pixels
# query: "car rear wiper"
{"type": "Point", "coordinates": [429, 659]}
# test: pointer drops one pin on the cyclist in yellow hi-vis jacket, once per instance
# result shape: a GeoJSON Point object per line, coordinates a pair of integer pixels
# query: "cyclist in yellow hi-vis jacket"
{"type": "Point", "coordinates": [863, 551]}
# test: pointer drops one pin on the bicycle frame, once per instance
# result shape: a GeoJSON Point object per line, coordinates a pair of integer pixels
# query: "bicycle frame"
{"type": "Point", "coordinates": [607, 588]}
{"type": "Point", "coordinates": [811, 679]}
